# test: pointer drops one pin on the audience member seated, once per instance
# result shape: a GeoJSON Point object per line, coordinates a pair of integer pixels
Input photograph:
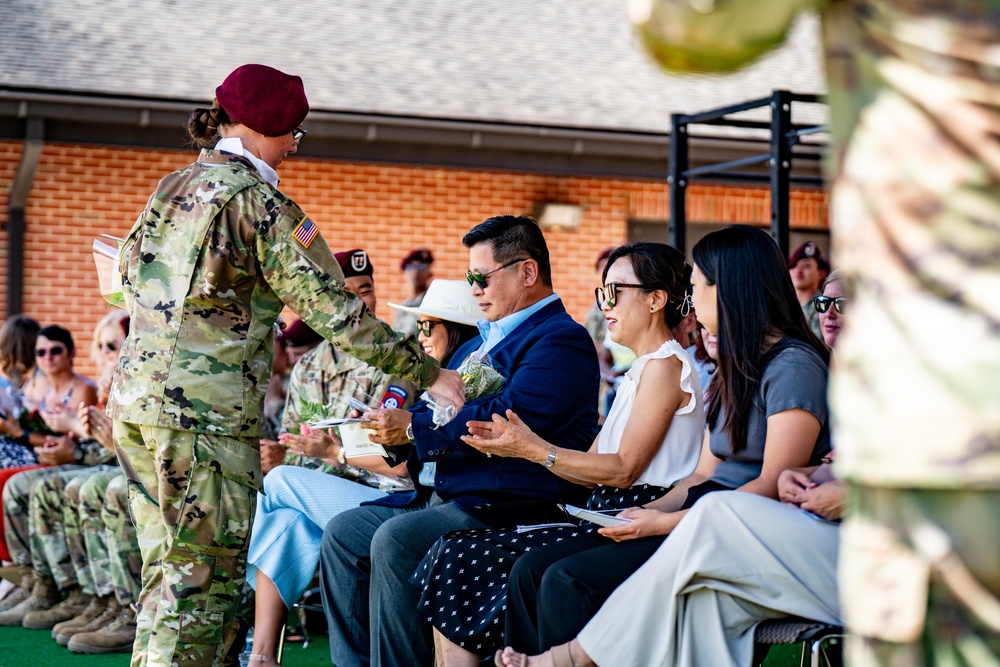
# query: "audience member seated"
{"type": "Point", "coordinates": [649, 441]}
{"type": "Point", "coordinates": [767, 412]}
{"type": "Point", "coordinates": [550, 366]}
{"type": "Point", "coordinates": [417, 268]}
{"type": "Point", "coordinates": [808, 269]}
{"type": "Point", "coordinates": [34, 500]}
{"type": "Point", "coordinates": [297, 502]}
{"type": "Point", "coordinates": [735, 560]}
{"type": "Point", "coordinates": [830, 306]}
{"type": "Point", "coordinates": [17, 363]}
{"type": "Point", "coordinates": [705, 352]}
{"type": "Point", "coordinates": [295, 342]}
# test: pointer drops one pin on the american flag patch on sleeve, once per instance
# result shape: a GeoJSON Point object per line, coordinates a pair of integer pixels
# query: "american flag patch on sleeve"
{"type": "Point", "coordinates": [305, 231]}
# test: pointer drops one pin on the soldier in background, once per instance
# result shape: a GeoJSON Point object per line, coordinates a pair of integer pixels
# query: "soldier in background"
{"type": "Point", "coordinates": [416, 266]}
{"type": "Point", "coordinates": [206, 270]}
{"type": "Point", "coordinates": [914, 93]}
{"type": "Point", "coordinates": [808, 269]}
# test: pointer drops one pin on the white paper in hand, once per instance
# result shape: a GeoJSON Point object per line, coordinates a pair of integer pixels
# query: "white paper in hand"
{"type": "Point", "coordinates": [356, 442]}
{"type": "Point", "coordinates": [596, 517]}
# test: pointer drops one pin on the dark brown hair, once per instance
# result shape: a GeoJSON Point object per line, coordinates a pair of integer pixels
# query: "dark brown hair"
{"type": "Point", "coordinates": [17, 346]}
{"type": "Point", "coordinates": [203, 125]}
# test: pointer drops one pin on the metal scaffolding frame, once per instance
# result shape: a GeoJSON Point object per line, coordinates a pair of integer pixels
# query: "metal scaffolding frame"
{"type": "Point", "coordinates": [783, 137]}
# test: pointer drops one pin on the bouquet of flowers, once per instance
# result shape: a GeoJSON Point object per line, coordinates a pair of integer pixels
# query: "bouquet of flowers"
{"type": "Point", "coordinates": [480, 378]}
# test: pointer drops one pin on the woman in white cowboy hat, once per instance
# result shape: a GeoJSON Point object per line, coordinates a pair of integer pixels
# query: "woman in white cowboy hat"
{"type": "Point", "coordinates": [450, 304]}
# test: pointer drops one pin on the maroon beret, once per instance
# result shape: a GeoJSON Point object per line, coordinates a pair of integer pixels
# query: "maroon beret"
{"type": "Point", "coordinates": [354, 263]}
{"type": "Point", "coordinates": [809, 250]}
{"type": "Point", "coordinates": [298, 334]}
{"type": "Point", "coordinates": [264, 99]}
{"type": "Point", "coordinates": [417, 256]}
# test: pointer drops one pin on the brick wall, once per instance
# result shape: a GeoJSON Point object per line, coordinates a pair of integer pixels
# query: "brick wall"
{"type": "Point", "coordinates": [80, 192]}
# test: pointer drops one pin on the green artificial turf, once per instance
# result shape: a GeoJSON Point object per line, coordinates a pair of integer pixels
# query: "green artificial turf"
{"type": "Point", "coordinates": [35, 648]}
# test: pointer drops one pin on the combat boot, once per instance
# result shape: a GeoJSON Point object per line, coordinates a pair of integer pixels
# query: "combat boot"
{"type": "Point", "coordinates": [44, 595]}
{"type": "Point", "coordinates": [19, 594]}
{"type": "Point", "coordinates": [83, 619]}
{"type": "Point", "coordinates": [116, 637]}
{"type": "Point", "coordinates": [75, 603]}
{"type": "Point", "coordinates": [107, 615]}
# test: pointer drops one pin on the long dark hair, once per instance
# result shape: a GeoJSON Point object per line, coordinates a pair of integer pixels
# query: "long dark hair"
{"type": "Point", "coordinates": [755, 300]}
{"type": "Point", "coordinates": [458, 335]}
{"type": "Point", "coordinates": [17, 346]}
{"type": "Point", "coordinates": [658, 266]}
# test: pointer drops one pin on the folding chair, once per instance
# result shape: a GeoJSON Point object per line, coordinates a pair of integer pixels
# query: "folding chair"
{"type": "Point", "coordinates": [821, 643]}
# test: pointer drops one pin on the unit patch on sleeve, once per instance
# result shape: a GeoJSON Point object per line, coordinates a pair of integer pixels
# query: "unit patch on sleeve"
{"type": "Point", "coordinates": [394, 397]}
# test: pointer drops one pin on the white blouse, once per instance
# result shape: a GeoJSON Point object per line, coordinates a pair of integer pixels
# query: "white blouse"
{"type": "Point", "coordinates": [678, 455]}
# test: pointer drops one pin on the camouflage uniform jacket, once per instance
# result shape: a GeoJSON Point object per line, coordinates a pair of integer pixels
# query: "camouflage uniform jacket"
{"type": "Point", "coordinates": [206, 270]}
{"type": "Point", "coordinates": [323, 381]}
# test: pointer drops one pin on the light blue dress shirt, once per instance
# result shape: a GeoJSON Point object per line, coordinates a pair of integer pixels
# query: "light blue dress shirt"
{"type": "Point", "coordinates": [494, 332]}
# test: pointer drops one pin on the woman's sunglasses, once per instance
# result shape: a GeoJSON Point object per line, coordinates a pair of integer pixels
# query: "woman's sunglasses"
{"type": "Point", "coordinates": [426, 326]}
{"type": "Point", "coordinates": [476, 278]}
{"type": "Point", "coordinates": [823, 303]}
{"type": "Point", "coordinates": [53, 351]}
{"type": "Point", "coordinates": [109, 346]}
{"type": "Point", "coordinates": [608, 295]}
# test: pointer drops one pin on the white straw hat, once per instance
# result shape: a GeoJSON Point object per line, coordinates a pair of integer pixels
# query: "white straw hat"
{"type": "Point", "coordinates": [449, 300]}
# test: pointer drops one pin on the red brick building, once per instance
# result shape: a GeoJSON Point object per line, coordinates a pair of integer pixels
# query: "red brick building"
{"type": "Point", "coordinates": [82, 147]}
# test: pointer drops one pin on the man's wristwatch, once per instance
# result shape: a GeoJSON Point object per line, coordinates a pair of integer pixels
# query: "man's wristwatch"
{"type": "Point", "coordinates": [409, 431]}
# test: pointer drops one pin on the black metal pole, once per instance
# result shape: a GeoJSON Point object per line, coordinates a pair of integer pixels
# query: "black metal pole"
{"type": "Point", "coordinates": [678, 181]}
{"type": "Point", "coordinates": [780, 166]}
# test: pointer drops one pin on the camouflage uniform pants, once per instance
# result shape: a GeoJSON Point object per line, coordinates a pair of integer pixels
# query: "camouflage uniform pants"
{"type": "Point", "coordinates": [193, 498]}
{"type": "Point", "coordinates": [54, 524]}
{"type": "Point", "coordinates": [902, 611]}
{"type": "Point", "coordinates": [93, 563]}
{"type": "Point", "coordinates": [16, 511]}
{"type": "Point", "coordinates": [125, 560]}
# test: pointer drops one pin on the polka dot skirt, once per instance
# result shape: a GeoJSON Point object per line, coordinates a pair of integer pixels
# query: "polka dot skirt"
{"type": "Point", "coordinates": [464, 575]}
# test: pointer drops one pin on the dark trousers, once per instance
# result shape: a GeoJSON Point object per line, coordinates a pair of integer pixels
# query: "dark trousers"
{"type": "Point", "coordinates": [555, 590]}
{"type": "Point", "coordinates": [366, 559]}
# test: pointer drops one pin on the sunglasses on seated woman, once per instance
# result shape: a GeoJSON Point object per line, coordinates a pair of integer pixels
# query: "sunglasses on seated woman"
{"type": "Point", "coordinates": [823, 303]}
{"type": "Point", "coordinates": [609, 293]}
{"type": "Point", "coordinates": [426, 326]}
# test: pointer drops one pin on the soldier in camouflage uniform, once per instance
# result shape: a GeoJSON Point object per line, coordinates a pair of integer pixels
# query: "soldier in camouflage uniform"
{"type": "Point", "coordinates": [206, 270]}
{"type": "Point", "coordinates": [35, 518]}
{"type": "Point", "coordinates": [914, 90]}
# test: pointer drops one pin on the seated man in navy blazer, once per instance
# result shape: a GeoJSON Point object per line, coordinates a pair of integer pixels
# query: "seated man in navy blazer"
{"type": "Point", "coordinates": [550, 365]}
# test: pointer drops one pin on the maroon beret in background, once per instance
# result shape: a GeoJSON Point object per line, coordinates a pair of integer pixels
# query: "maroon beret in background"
{"type": "Point", "coordinates": [354, 263]}
{"type": "Point", "coordinates": [298, 334]}
{"type": "Point", "coordinates": [809, 250]}
{"type": "Point", "coordinates": [417, 256]}
{"type": "Point", "coordinates": [264, 99]}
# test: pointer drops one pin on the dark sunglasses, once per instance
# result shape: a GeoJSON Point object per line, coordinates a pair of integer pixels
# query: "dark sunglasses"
{"type": "Point", "coordinates": [110, 346]}
{"type": "Point", "coordinates": [298, 134]}
{"type": "Point", "coordinates": [53, 351]}
{"type": "Point", "coordinates": [823, 303]}
{"type": "Point", "coordinates": [476, 278]}
{"type": "Point", "coordinates": [426, 326]}
{"type": "Point", "coordinates": [608, 295]}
